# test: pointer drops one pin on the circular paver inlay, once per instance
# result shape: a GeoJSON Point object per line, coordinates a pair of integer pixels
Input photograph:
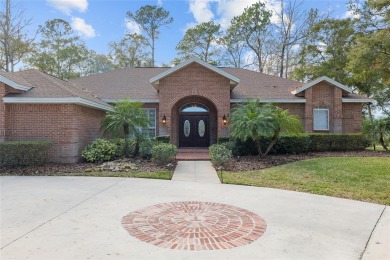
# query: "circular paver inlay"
{"type": "Point", "coordinates": [194, 225]}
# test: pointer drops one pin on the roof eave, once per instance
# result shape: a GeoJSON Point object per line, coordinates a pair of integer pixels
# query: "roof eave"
{"type": "Point", "coordinates": [318, 80]}
{"type": "Point", "coordinates": [67, 100]}
{"type": "Point", "coordinates": [14, 84]}
{"type": "Point", "coordinates": [155, 80]}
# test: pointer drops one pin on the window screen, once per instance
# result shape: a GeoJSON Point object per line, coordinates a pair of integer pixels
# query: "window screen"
{"type": "Point", "coordinates": [321, 119]}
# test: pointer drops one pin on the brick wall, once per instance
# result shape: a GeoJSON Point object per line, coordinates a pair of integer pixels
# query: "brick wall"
{"type": "Point", "coordinates": [324, 94]}
{"type": "Point", "coordinates": [352, 117]}
{"type": "Point", "coordinates": [4, 90]}
{"type": "Point", "coordinates": [194, 81]}
{"type": "Point", "coordinates": [68, 127]}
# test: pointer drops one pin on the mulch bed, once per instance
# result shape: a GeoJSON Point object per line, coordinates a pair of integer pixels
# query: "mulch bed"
{"type": "Point", "coordinates": [247, 163]}
{"type": "Point", "coordinates": [69, 169]}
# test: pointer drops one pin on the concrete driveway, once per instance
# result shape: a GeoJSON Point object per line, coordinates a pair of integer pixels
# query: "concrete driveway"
{"type": "Point", "coordinates": [80, 218]}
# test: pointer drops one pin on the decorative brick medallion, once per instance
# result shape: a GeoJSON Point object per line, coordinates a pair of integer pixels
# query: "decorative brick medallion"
{"type": "Point", "coordinates": [194, 225]}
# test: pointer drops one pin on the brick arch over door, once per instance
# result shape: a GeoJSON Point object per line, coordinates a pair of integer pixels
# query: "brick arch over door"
{"type": "Point", "coordinates": [213, 113]}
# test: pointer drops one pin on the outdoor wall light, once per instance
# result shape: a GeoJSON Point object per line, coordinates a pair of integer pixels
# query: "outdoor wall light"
{"type": "Point", "coordinates": [164, 120]}
{"type": "Point", "coordinates": [224, 120]}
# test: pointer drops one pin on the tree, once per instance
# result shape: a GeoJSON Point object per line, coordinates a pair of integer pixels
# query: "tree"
{"type": "Point", "coordinates": [369, 56]}
{"type": "Point", "coordinates": [255, 121]}
{"type": "Point", "coordinates": [129, 51]}
{"type": "Point", "coordinates": [14, 40]}
{"type": "Point", "coordinates": [200, 42]}
{"type": "Point", "coordinates": [95, 63]}
{"type": "Point", "coordinates": [377, 130]}
{"type": "Point", "coordinates": [125, 119]}
{"type": "Point", "coordinates": [59, 53]}
{"type": "Point", "coordinates": [150, 19]}
{"type": "Point", "coordinates": [234, 50]}
{"type": "Point", "coordinates": [253, 27]}
{"type": "Point", "coordinates": [294, 24]}
{"type": "Point", "coordinates": [327, 52]}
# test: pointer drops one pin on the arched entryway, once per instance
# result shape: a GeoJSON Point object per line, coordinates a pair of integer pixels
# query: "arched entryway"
{"type": "Point", "coordinates": [196, 122]}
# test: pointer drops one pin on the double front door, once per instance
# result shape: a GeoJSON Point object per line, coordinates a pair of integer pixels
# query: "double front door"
{"type": "Point", "coordinates": [194, 131]}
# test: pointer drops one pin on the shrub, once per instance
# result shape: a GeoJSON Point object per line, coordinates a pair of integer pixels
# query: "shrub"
{"type": "Point", "coordinates": [284, 145]}
{"type": "Point", "coordinates": [163, 153]}
{"type": "Point", "coordinates": [219, 154]}
{"type": "Point", "coordinates": [163, 139]}
{"type": "Point", "coordinates": [222, 140]}
{"type": "Point", "coordinates": [100, 150]}
{"type": "Point", "coordinates": [24, 153]}
{"type": "Point", "coordinates": [336, 142]}
{"type": "Point", "coordinates": [145, 148]}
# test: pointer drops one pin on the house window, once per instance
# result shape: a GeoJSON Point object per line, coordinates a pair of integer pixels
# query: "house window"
{"type": "Point", "coordinates": [150, 131]}
{"type": "Point", "coordinates": [321, 118]}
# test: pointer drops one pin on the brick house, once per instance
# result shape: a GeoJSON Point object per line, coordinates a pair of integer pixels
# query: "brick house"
{"type": "Point", "coordinates": [189, 102]}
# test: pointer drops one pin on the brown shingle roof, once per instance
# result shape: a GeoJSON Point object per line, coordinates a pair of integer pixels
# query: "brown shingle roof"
{"type": "Point", "coordinates": [46, 86]}
{"type": "Point", "coordinates": [134, 83]}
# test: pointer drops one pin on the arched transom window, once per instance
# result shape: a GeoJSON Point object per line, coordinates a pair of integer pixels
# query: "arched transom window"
{"type": "Point", "coordinates": [194, 108]}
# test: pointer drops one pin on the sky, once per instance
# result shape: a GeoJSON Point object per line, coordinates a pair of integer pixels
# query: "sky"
{"type": "Point", "coordinates": [99, 22]}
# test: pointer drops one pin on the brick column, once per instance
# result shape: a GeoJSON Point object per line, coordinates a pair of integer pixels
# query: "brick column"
{"type": "Point", "coordinates": [309, 110]}
{"type": "Point", "coordinates": [3, 92]}
{"type": "Point", "coordinates": [338, 111]}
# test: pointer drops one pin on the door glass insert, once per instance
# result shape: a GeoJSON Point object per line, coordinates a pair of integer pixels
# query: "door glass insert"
{"type": "Point", "coordinates": [187, 128]}
{"type": "Point", "coordinates": [194, 108]}
{"type": "Point", "coordinates": [201, 128]}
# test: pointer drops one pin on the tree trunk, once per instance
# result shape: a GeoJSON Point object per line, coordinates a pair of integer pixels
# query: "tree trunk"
{"type": "Point", "coordinates": [258, 147]}
{"type": "Point", "coordinates": [372, 121]}
{"type": "Point", "coordinates": [274, 138]}
{"type": "Point", "coordinates": [153, 48]}
{"type": "Point", "coordinates": [382, 140]}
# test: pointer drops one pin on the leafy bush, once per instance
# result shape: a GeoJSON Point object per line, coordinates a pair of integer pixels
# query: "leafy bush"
{"type": "Point", "coordinates": [241, 148]}
{"type": "Point", "coordinates": [145, 148]}
{"type": "Point", "coordinates": [336, 142]}
{"type": "Point", "coordinates": [24, 153]}
{"type": "Point", "coordinates": [100, 150]}
{"type": "Point", "coordinates": [222, 140]}
{"type": "Point", "coordinates": [163, 153]}
{"type": "Point", "coordinates": [163, 139]}
{"type": "Point", "coordinates": [219, 154]}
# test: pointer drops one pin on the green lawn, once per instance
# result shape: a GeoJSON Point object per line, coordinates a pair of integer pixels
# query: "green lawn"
{"type": "Point", "coordinates": [358, 178]}
{"type": "Point", "coordinates": [377, 148]}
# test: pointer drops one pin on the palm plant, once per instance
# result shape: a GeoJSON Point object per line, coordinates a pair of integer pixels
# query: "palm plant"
{"type": "Point", "coordinates": [125, 119]}
{"type": "Point", "coordinates": [255, 121]}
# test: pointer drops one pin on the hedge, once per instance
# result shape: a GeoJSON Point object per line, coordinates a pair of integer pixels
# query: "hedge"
{"type": "Point", "coordinates": [304, 144]}
{"type": "Point", "coordinates": [163, 139]}
{"type": "Point", "coordinates": [336, 142]}
{"type": "Point", "coordinates": [24, 153]}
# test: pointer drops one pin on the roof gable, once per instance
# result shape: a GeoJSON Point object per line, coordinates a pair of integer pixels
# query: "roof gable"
{"type": "Point", "coordinates": [233, 79]}
{"type": "Point", "coordinates": [318, 80]}
{"type": "Point", "coordinates": [14, 82]}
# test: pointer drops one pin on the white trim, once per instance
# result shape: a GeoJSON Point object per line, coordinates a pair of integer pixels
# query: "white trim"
{"type": "Point", "coordinates": [68, 100]}
{"type": "Point", "coordinates": [13, 84]}
{"type": "Point", "coordinates": [151, 100]}
{"type": "Point", "coordinates": [327, 129]}
{"type": "Point", "coordinates": [155, 80]}
{"type": "Point", "coordinates": [357, 100]}
{"type": "Point", "coordinates": [318, 80]}
{"type": "Point", "coordinates": [271, 100]}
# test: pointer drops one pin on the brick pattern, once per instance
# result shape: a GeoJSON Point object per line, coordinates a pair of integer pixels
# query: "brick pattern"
{"type": "Point", "coordinates": [324, 94]}
{"type": "Point", "coordinates": [194, 225]}
{"type": "Point", "coordinates": [4, 90]}
{"type": "Point", "coordinates": [69, 127]}
{"type": "Point", "coordinates": [194, 81]}
{"type": "Point", "coordinates": [192, 154]}
{"type": "Point", "coordinates": [352, 117]}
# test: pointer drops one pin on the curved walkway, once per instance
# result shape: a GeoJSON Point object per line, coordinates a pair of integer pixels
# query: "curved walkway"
{"type": "Point", "coordinates": [91, 218]}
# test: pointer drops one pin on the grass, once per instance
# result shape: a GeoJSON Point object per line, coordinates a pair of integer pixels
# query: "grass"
{"type": "Point", "coordinates": [377, 148]}
{"type": "Point", "coordinates": [149, 175]}
{"type": "Point", "coordinates": [359, 178]}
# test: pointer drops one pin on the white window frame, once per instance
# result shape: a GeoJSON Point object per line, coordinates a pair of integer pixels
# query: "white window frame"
{"type": "Point", "coordinates": [320, 109]}
{"type": "Point", "coordinates": [155, 120]}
